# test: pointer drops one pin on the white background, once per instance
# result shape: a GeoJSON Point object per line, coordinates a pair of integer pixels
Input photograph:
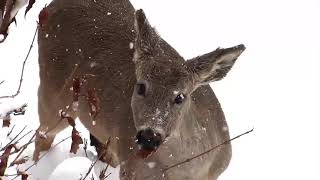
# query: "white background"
{"type": "Point", "coordinates": [274, 87]}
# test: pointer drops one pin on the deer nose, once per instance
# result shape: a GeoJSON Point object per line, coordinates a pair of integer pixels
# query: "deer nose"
{"type": "Point", "coordinates": [148, 139]}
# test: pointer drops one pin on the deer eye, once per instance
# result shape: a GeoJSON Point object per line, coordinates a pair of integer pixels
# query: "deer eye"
{"type": "Point", "coordinates": [141, 89]}
{"type": "Point", "coordinates": [179, 98]}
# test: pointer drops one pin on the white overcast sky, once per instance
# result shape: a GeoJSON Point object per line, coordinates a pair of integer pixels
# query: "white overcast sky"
{"type": "Point", "coordinates": [274, 87]}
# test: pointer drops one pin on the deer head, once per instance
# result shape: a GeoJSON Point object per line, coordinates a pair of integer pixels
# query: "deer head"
{"type": "Point", "coordinates": [165, 81]}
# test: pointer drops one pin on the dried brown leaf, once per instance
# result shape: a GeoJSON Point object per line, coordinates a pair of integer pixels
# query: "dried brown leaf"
{"type": "Point", "coordinates": [18, 111]}
{"type": "Point", "coordinates": [6, 6]}
{"type": "Point", "coordinates": [6, 121]}
{"type": "Point", "coordinates": [2, 7]}
{"type": "Point", "coordinates": [70, 120]}
{"type": "Point", "coordinates": [20, 161]}
{"type": "Point", "coordinates": [24, 175]}
{"type": "Point", "coordinates": [4, 159]}
{"type": "Point", "coordinates": [94, 103]}
{"type": "Point", "coordinates": [43, 17]}
{"type": "Point", "coordinates": [76, 141]}
{"type": "Point", "coordinates": [14, 20]}
{"type": "Point", "coordinates": [76, 88]}
{"type": "Point", "coordinates": [30, 4]}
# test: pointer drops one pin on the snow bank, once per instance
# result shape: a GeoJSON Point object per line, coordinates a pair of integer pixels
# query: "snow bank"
{"type": "Point", "coordinates": [73, 169]}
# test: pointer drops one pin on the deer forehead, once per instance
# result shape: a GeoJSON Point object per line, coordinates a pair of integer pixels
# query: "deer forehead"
{"type": "Point", "coordinates": [168, 78]}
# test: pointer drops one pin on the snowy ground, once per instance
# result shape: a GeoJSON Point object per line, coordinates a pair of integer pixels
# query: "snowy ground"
{"type": "Point", "coordinates": [57, 162]}
{"type": "Point", "coordinates": [274, 87]}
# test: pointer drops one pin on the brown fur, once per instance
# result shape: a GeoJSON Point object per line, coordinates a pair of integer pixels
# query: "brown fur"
{"type": "Point", "coordinates": [83, 32]}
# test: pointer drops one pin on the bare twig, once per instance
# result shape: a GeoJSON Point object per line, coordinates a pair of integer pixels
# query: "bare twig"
{"type": "Point", "coordinates": [16, 175]}
{"type": "Point", "coordinates": [85, 147]}
{"type": "Point", "coordinates": [206, 152]}
{"type": "Point", "coordinates": [70, 106]}
{"type": "Point", "coordinates": [76, 90]}
{"type": "Point", "coordinates": [14, 152]}
{"type": "Point", "coordinates": [20, 161]}
{"type": "Point", "coordinates": [21, 110]}
{"type": "Point", "coordinates": [23, 66]}
{"type": "Point", "coordinates": [15, 111]}
{"type": "Point", "coordinates": [102, 175]}
{"type": "Point", "coordinates": [23, 148]}
{"type": "Point", "coordinates": [48, 152]}
{"type": "Point", "coordinates": [28, 143]}
{"type": "Point", "coordinates": [6, 116]}
{"type": "Point", "coordinates": [9, 133]}
{"type": "Point", "coordinates": [61, 119]}
{"type": "Point", "coordinates": [13, 139]}
{"type": "Point", "coordinates": [1, 82]}
{"type": "Point", "coordinates": [68, 80]}
{"type": "Point", "coordinates": [17, 141]}
{"type": "Point", "coordinates": [92, 165]}
{"type": "Point", "coordinates": [5, 158]}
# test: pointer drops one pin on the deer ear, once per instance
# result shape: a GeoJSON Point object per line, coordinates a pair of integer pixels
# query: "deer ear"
{"type": "Point", "coordinates": [146, 36]}
{"type": "Point", "coordinates": [214, 65]}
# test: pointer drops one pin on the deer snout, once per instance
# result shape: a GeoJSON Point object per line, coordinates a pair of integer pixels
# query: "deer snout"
{"type": "Point", "coordinates": [148, 139]}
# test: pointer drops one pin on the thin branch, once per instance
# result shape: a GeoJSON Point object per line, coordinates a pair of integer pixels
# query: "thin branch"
{"type": "Point", "coordinates": [23, 66]}
{"type": "Point", "coordinates": [17, 175]}
{"type": "Point", "coordinates": [21, 110]}
{"type": "Point", "coordinates": [6, 116]}
{"type": "Point", "coordinates": [206, 152]}
{"type": "Point", "coordinates": [69, 107]}
{"type": "Point", "coordinates": [24, 147]}
{"type": "Point", "coordinates": [60, 120]}
{"type": "Point", "coordinates": [102, 175]}
{"type": "Point", "coordinates": [85, 147]}
{"type": "Point", "coordinates": [48, 151]}
{"type": "Point", "coordinates": [92, 165]}
{"type": "Point", "coordinates": [17, 141]}
{"type": "Point", "coordinates": [68, 80]}
{"type": "Point", "coordinates": [1, 82]}
{"type": "Point", "coordinates": [9, 133]}
{"type": "Point", "coordinates": [2, 149]}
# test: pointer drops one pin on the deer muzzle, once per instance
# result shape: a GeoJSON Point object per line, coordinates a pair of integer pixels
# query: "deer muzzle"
{"type": "Point", "coordinates": [148, 139]}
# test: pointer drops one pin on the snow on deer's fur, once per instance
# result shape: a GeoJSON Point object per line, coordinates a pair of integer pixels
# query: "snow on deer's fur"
{"type": "Point", "coordinates": [153, 103]}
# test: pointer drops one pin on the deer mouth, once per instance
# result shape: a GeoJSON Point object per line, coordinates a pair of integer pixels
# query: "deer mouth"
{"type": "Point", "coordinates": [148, 142]}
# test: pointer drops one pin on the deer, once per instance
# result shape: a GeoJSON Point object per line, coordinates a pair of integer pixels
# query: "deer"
{"type": "Point", "coordinates": [151, 98]}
